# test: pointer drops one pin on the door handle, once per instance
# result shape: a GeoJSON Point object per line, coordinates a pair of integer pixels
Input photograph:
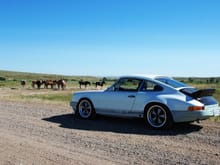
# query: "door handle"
{"type": "Point", "coordinates": [131, 96]}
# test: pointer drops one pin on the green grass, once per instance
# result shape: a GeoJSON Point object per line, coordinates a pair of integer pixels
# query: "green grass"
{"type": "Point", "coordinates": [10, 79]}
{"type": "Point", "coordinates": [215, 119]}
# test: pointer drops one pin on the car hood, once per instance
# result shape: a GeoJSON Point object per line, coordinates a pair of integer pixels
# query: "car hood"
{"type": "Point", "coordinates": [90, 92]}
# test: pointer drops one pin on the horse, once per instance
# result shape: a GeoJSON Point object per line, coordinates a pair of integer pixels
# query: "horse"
{"type": "Point", "coordinates": [36, 82]}
{"type": "Point", "coordinates": [33, 83]}
{"type": "Point", "coordinates": [49, 82]}
{"type": "Point", "coordinates": [23, 83]}
{"type": "Point", "coordinates": [85, 83]}
{"type": "Point", "coordinates": [61, 84]}
{"type": "Point", "coordinates": [99, 83]}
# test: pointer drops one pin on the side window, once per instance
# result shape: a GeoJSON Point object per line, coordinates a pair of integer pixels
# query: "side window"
{"type": "Point", "coordinates": [151, 86]}
{"type": "Point", "coordinates": [128, 85]}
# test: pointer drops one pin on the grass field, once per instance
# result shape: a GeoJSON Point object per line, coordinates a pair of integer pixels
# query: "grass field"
{"type": "Point", "coordinates": [11, 80]}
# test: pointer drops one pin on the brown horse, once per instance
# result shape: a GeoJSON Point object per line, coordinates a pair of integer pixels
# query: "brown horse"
{"type": "Point", "coordinates": [33, 83]}
{"type": "Point", "coordinates": [50, 83]}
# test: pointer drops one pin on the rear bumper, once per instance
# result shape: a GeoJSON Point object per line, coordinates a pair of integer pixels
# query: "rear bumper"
{"type": "Point", "coordinates": [187, 116]}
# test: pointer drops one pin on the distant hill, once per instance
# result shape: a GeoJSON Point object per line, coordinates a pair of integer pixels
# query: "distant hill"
{"type": "Point", "coordinates": [13, 75]}
{"type": "Point", "coordinates": [18, 76]}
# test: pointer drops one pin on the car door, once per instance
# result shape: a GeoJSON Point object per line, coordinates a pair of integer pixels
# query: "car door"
{"type": "Point", "coordinates": [121, 98]}
{"type": "Point", "coordinates": [148, 92]}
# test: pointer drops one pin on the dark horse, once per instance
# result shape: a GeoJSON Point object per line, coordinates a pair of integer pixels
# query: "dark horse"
{"type": "Point", "coordinates": [99, 83]}
{"type": "Point", "coordinates": [38, 83]}
{"type": "Point", "coordinates": [61, 84]}
{"type": "Point", "coordinates": [85, 83]}
{"type": "Point", "coordinates": [23, 83]}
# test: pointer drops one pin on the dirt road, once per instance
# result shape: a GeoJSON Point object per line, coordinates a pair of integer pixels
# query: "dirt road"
{"type": "Point", "coordinates": [35, 133]}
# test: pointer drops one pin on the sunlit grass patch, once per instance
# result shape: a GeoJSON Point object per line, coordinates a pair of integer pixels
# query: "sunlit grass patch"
{"type": "Point", "coordinates": [215, 119]}
{"type": "Point", "coordinates": [53, 98]}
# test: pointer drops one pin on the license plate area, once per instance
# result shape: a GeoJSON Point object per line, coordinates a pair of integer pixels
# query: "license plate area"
{"type": "Point", "coordinates": [216, 111]}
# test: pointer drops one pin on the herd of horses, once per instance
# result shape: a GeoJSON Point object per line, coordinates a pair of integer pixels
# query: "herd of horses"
{"type": "Point", "coordinates": [59, 84]}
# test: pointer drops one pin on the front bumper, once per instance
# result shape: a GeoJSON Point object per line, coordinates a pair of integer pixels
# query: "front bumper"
{"type": "Point", "coordinates": [188, 116]}
{"type": "Point", "coordinates": [73, 105]}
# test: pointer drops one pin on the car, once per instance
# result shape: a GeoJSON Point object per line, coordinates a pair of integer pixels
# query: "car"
{"type": "Point", "coordinates": [159, 100]}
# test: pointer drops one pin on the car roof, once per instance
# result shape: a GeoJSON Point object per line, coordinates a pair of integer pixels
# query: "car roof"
{"type": "Point", "coordinates": [145, 76]}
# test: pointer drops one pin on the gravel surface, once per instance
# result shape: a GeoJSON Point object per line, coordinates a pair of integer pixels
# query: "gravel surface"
{"type": "Point", "coordinates": [36, 133]}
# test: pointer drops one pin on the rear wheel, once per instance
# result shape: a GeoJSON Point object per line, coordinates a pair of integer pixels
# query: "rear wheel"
{"type": "Point", "coordinates": [158, 116]}
{"type": "Point", "coordinates": [85, 109]}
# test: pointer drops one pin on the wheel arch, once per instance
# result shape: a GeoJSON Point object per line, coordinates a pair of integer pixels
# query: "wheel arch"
{"type": "Point", "coordinates": [86, 98]}
{"type": "Point", "coordinates": [147, 106]}
{"type": "Point", "coordinates": [168, 120]}
{"type": "Point", "coordinates": [92, 107]}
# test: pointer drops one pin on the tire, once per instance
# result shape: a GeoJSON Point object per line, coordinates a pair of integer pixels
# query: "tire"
{"type": "Point", "coordinates": [85, 109]}
{"type": "Point", "coordinates": [158, 117]}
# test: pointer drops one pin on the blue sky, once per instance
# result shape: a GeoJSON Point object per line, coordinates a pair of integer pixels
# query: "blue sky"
{"type": "Point", "coordinates": [111, 37]}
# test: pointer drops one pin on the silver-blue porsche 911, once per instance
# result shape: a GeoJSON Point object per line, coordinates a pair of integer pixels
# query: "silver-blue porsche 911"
{"type": "Point", "coordinates": [159, 100]}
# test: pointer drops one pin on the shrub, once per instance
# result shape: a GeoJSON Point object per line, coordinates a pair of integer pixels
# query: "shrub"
{"type": "Point", "coordinates": [2, 79]}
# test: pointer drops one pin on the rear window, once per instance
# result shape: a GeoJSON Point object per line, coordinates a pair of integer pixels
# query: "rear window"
{"type": "Point", "coordinates": [172, 82]}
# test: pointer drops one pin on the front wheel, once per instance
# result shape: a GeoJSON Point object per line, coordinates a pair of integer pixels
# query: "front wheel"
{"type": "Point", "coordinates": [85, 109]}
{"type": "Point", "coordinates": [158, 117]}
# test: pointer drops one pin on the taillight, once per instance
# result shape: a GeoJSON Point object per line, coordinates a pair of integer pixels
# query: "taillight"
{"type": "Point", "coordinates": [196, 108]}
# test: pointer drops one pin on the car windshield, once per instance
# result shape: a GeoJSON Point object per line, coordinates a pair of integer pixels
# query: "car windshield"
{"type": "Point", "coordinates": [172, 82]}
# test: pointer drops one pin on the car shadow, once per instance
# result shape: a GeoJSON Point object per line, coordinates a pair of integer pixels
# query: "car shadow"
{"type": "Point", "coordinates": [119, 125]}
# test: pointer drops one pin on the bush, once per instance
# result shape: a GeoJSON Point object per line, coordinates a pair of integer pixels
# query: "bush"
{"type": "Point", "coordinates": [2, 79]}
